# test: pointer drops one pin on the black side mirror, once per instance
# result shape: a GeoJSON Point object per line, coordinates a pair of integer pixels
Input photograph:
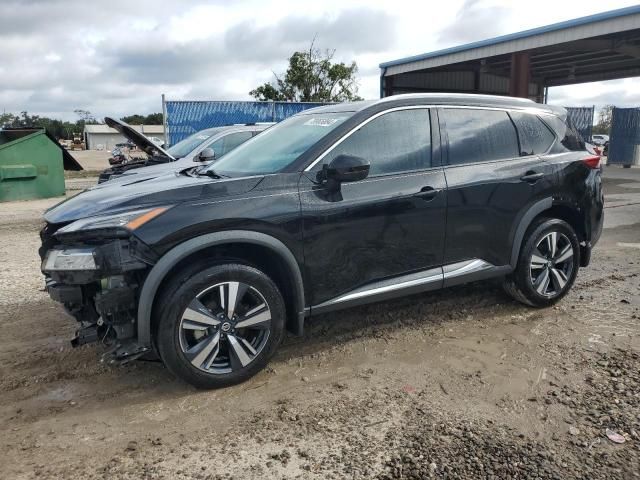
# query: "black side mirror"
{"type": "Point", "coordinates": [346, 168]}
{"type": "Point", "coordinates": [206, 155]}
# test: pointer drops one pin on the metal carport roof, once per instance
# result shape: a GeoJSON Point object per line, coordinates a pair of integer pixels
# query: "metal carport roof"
{"type": "Point", "coordinates": [597, 47]}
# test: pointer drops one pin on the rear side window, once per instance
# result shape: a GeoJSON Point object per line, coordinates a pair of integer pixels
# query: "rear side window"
{"type": "Point", "coordinates": [395, 142]}
{"type": "Point", "coordinates": [229, 142]}
{"type": "Point", "coordinates": [535, 136]}
{"type": "Point", "coordinates": [570, 139]}
{"type": "Point", "coordinates": [479, 135]}
{"type": "Point", "coordinates": [232, 140]}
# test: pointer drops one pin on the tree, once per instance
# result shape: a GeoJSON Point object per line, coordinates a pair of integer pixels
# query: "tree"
{"type": "Point", "coordinates": [55, 127]}
{"type": "Point", "coordinates": [153, 119]}
{"type": "Point", "coordinates": [605, 115]}
{"type": "Point", "coordinates": [312, 77]}
{"type": "Point", "coordinates": [6, 119]}
{"type": "Point", "coordinates": [85, 116]}
{"type": "Point", "coordinates": [137, 119]}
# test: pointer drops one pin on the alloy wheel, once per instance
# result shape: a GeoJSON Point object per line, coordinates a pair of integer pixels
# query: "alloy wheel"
{"type": "Point", "coordinates": [551, 264]}
{"type": "Point", "coordinates": [225, 327]}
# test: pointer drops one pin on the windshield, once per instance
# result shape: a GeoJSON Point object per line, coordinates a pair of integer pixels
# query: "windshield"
{"type": "Point", "coordinates": [278, 146]}
{"type": "Point", "coordinates": [189, 144]}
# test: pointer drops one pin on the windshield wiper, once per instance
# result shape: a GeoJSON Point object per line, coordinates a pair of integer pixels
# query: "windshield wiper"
{"type": "Point", "coordinates": [210, 173]}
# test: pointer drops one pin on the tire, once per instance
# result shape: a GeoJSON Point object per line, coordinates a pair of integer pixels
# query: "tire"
{"type": "Point", "coordinates": [544, 274]}
{"type": "Point", "coordinates": [208, 344]}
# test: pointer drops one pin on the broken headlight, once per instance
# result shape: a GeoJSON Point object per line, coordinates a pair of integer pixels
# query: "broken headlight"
{"type": "Point", "coordinates": [69, 259]}
{"type": "Point", "coordinates": [127, 220]}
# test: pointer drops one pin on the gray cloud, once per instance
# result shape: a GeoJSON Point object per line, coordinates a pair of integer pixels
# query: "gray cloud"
{"type": "Point", "coordinates": [474, 22]}
{"type": "Point", "coordinates": [616, 93]}
{"type": "Point", "coordinates": [355, 31]}
{"type": "Point", "coordinates": [59, 55]}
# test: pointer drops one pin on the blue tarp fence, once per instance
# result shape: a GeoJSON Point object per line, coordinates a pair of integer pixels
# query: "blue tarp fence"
{"type": "Point", "coordinates": [624, 141]}
{"type": "Point", "coordinates": [186, 117]}
{"type": "Point", "coordinates": [582, 120]}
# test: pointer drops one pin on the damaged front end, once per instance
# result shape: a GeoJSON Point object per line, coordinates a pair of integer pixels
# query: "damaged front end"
{"type": "Point", "coordinates": [95, 269]}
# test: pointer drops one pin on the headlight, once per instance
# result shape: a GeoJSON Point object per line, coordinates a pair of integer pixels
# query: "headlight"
{"type": "Point", "coordinates": [69, 259]}
{"type": "Point", "coordinates": [128, 220]}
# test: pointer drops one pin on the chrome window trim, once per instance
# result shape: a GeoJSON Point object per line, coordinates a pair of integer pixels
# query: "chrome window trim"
{"type": "Point", "coordinates": [533, 111]}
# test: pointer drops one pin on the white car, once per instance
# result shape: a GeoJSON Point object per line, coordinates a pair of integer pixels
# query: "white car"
{"type": "Point", "coordinates": [200, 148]}
{"type": "Point", "coordinates": [599, 139]}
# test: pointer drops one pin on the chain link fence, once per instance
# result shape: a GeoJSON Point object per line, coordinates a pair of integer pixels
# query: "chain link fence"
{"type": "Point", "coordinates": [582, 119]}
{"type": "Point", "coordinates": [183, 118]}
{"type": "Point", "coordinates": [624, 142]}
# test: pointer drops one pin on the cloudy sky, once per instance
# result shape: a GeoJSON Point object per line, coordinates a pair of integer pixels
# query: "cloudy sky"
{"type": "Point", "coordinates": [117, 57]}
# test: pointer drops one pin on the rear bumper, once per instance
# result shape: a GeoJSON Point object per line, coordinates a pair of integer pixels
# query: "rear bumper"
{"type": "Point", "coordinates": [593, 205]}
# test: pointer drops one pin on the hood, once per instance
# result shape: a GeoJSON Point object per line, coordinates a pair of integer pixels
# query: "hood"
{"type": "Point", "coordinates": [122, 194]}
{"type": "Point", "coordinates": [153, 171]}
{"type": "Point", "coordinates": [141, 141]}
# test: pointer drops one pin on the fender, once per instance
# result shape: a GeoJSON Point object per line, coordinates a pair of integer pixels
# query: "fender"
{"type": "Point", "coordinates": [534, 210]}
{"type": "Point", "coordinates": [173, 256]}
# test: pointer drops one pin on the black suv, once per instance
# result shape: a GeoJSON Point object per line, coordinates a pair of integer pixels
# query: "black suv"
{"type": "Point", "coordinates": [336, 206]}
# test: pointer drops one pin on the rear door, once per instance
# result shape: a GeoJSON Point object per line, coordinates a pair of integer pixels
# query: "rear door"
{"type": "Point", "coordinates": [494, 173]}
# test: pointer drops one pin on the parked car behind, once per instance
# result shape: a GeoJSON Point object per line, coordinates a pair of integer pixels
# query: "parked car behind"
{"type": "Point", "coordinates": [336, 206]}
{"type": "Point", "coordinates": [599, 139]}
{"type": "Point", "coordinates": [201, 147]}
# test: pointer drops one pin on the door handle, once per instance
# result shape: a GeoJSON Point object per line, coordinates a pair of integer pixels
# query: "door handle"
{"type": "Point", "coordinates": [531, 177]}
{"type": "Point", "coordinates": [427, 193]}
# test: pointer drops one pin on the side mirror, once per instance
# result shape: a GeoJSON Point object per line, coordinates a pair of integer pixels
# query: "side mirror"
{"type": "Point", "coordinates": [347, 168]}
{"type": "Point", "coordinates": [205, 155]}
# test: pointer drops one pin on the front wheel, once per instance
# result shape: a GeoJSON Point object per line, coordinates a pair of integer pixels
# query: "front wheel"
{"type": "Point", "coordinates": [221, 325]}
{"type": "Point", "coordinates": [547, 265]}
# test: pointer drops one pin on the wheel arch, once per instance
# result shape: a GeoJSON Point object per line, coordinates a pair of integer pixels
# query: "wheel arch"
{"type": "Point", "coordinates": [175, 258]}
{"type": "Point", "coordinates": [552, 209]}
{"type": "Point", "coordinates": [529, 215]}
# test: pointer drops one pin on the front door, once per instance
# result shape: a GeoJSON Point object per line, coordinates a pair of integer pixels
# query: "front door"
{"type": "Point", "coordinates": [390, 224]}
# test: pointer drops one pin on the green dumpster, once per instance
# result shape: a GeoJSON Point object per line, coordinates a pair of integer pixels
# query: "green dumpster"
{"type": "Point", "coordinates": [31, 165]}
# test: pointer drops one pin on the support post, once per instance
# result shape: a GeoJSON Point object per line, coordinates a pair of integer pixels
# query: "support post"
{"type": "Point", "coordinates": [520, 75]}
{"type": "Point", "coordinates": [388, 86]}
{"type": "Point", "coordinates": [164, 121]}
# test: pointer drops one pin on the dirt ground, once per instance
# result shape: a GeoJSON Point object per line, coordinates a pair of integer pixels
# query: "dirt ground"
{"type": "Point", "coordinates": [462, 383]}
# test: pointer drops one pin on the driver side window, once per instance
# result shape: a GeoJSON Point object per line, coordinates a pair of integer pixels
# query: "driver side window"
{"type": "Point", "coordinates": [394, 142]}
{"type": "Point", "coordinates": [217, 147]}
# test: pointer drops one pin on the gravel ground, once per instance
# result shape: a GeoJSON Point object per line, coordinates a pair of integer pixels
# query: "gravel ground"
{"type": "Point", "coordinates": [458, 384]}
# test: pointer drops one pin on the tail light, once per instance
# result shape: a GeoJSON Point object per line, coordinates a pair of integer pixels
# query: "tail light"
{"type": "Point", "coordinates": [592, 162]}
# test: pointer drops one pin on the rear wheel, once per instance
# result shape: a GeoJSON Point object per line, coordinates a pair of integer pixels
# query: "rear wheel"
{"type": "Point", "coordinates": [221, 325]}
{"type": "Point", "coordinates": [547, 265]}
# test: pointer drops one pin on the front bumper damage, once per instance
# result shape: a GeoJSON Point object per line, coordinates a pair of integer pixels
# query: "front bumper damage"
{"type": "Point", "coordinates": [98, 283]}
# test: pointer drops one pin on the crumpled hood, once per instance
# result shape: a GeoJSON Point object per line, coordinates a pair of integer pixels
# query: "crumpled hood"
{"type": "Point", "coordinates": [140, 140]}
{"type": "Point", "coordinates": [153, 171]}
{"type": "Point", "coordinates": [120, 195]}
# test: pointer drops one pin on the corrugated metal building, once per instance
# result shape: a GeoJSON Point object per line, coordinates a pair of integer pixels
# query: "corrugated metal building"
{"type": "Point", "coordinates": [598, 47]}
{"type": "Point", "coordinates": [102, 137]}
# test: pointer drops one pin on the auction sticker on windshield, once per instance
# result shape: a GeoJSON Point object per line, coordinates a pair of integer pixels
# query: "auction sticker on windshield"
{"type": "Point", "coordinates": [321, 122]}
